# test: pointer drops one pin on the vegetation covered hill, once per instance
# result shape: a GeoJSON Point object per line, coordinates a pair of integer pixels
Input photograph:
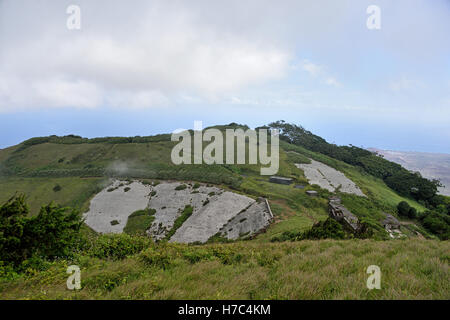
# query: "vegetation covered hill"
{"type": "Point", "coordinates": [70, 170]}
{"type": "Point", "coordinates": [322, 269]}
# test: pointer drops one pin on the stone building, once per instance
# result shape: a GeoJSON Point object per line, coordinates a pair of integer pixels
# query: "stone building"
{"type": "Point", "coordinates": [280, 180]}
{"type": "Point", "coordinates": [341, 214]}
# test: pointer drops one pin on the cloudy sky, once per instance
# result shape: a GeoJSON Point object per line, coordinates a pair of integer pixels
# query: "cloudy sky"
{"type": "Point", "coordinates": [146, 67]}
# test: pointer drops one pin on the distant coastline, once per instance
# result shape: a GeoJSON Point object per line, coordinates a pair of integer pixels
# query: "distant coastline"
{"type": "Point", "coordinates": [430, 165]}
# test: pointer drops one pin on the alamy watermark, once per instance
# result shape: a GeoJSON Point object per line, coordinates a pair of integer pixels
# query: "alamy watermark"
{"type": "Point", "coordinates": [74, 20]}
{"type": "Point", "coordinates": [374, 20]}
{"type": "Point", "coordinates": [190, 149]}
{"type": "Point", "coordinates": [74, 280]}
{"type": "Point", "coordinates": [374, 280]}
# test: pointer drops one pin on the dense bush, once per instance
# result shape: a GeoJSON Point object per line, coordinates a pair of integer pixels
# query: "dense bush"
{"type": "Point", "coordinates": [52, 233]}
{"type": "Point", "coordinates": [56, 173]}
{"type": "Point", "coordinates": [287, 236]}
{"type": "Point", "coordinates": [139, 221]}
{"type": "Point", "coordinates": [74, 139]}
{"type": "Point", "coordinates": [403, 208]}
{"type": "Point", "coordinates": [117, 246]}
{"type": "Point", "coordinates": [181, 187]}
{"type": "Point", "coordinates": [437, 223]}
{"type": "Point", "coordinates": [159, 258]}
{"type": "Point", "coordinates": [185, 214]}
{"type": "Point", "coordinates": [412, 213]}
{"type": "Point", "coordinates": [328, 229]}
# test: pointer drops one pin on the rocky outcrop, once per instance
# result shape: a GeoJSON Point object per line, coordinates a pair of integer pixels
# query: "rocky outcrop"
{"type": "Point", "coordinates": [214, 211]}
{"type": "Point", "coordinates": [114, 204]}
{"type": "Point", "coordinates": [328, 178]}
{"type": "Point", "coordinates": [390, 222]}
{"type": "Point", "coordinates": [207, 220]}
{"type": "Point", "coordinates": [249, 221]}
{"type": "Point", "coordinates": [392, 226]}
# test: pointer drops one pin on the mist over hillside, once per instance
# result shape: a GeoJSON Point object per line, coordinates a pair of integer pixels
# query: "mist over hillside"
{"type": "Point", "coordinates": [430, 165]}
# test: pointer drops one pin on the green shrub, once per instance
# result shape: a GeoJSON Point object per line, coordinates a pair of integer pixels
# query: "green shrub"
{"type": "Point", "coordinates": [57, 173]}
{"type": "Point", "coordinates": [403, 208]}
{"type": "Point", "coordinates": [438, 224]}
{"type": "Point", "coordinates": [54, 232]}
{"type": "Point", "coordinates": [139, 221]}
{"type": "Point", "coordinates": [106, 280]}
{"type": "Point", "coordinates": [412, 213]}
{"type": "Point", "coordinates": [194, 255]}
{"type": "Point", "coordinates": [187, 211]}
{"type": "Point", "coordinates": [287, 236]}
{"type": "Point", "coordinates": [328, 229]}
{"type": "Point", "coordinates": [57, 188]}
{"type": "Point", "coordinates": [118, 246]}
{"type": "Point", "coordinates": [181, 187]}
{"type": "Point", "coordinates": [158, 258]}
{"type": "Point", "coordinates": [126, 189]}
{"type": "Point", "coordinates": [226, 255]}
{"type": "Point", "coordinates": [7, 271]}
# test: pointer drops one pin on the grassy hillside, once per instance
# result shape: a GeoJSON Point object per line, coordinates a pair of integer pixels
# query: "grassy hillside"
{"type": "Point", "coordinates": [71, 170]}
{"type": "Point", "coordinates": [325, 269]}
{"type": "Point", "coordinates": [82, 167]}
{"type": "Point", "coordinates": [75, 192]}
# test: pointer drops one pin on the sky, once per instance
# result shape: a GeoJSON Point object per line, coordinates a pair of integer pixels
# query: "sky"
{"type": "Point", "coordinates": [148, 67]}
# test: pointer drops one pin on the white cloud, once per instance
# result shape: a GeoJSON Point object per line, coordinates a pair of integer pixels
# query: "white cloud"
{"type": "Point", "coordinates": [318, 71]}
{"type": "Point", "coordinates": [331, 81]}
{"type": "Point", "coordinates": [166, 54]}
{"type": "Point", "coordinates": [160, 53]}
{"type": "Point", "coordinates": [404, 84]}
{"type": "Point", "coordinates": [137, 99]}
{"type": "Point", "coordinates": [311, 68]}
{"type": "Point", "coordinates": [59, 92]}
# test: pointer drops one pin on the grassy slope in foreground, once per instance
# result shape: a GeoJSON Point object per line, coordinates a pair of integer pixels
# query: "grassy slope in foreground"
{"type": "Point", "coordinates": [325, 269]}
